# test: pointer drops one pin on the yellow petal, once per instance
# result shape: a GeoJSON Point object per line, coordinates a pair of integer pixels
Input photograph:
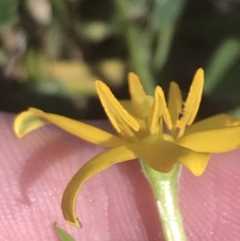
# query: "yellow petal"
{"type": "Point", "coordinates": [193, 100]}
{"type": "Point", "coordinates": [144, 126]}
{"type": "Point", "coordinates": [34, 118]}
{"type": "Point", "coordinates": [214, 122]}
{"type": "Point", "coordinates": [162, 155]}
{"type": "Point", "coordinates": [26, 122]}
{"type": "Point", "coordinates": [139, 99]}
{"type": "Point", "coordinates": [122, 121]}
{"type": "Point", "coordinates": [159, 109]}
{"type": "Point", "coordinates": [212, 141]}
{"type": "Point", "coordinates": [96, 165]}
{"type": "Point", "coordinates": [197, 163]}
{"type": "Point", "coordinates": [174, 102]}
{"type": "Point", "coordinates": [127, 105]}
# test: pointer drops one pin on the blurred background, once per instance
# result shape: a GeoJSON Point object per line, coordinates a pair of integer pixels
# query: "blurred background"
{"type": "Point", "coordinates": [52, 51]}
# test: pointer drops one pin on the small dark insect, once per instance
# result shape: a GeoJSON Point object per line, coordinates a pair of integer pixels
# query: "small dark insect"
{"type": "Point", "coordinates": [182, 111]}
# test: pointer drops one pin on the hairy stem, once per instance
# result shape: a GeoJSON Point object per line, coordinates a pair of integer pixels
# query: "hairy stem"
{"type": "Point", "coordinates": [164, 186]}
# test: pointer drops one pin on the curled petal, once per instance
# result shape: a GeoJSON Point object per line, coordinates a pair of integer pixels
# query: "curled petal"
{"type": "Point", "coordinates": [34, 118]}
{"type": "Point", "coordinates": [213, 140]}
{"type": "Point", "coordinates": [162, 155]}
{"type": "Point", "coordinates": [122, 121]}
{"type": "Point", "coordinates": [26, 122]}
{"type": "Point", "coordinates": [92, 167]}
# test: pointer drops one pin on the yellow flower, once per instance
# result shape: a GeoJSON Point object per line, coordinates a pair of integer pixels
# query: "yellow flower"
{"type": "Point", "coordinates": [139, 124]}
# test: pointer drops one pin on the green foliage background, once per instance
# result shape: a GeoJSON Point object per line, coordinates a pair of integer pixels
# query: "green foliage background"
{"type": "Point", "coordinates": [161, 41]}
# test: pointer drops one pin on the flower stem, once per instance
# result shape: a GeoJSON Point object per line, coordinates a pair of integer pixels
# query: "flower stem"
{"type": "Point", "coordinates": [164, 186]}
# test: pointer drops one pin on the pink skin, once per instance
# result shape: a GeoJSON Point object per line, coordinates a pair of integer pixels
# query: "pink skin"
{"type": "Point", "coordinates": [116, 204]}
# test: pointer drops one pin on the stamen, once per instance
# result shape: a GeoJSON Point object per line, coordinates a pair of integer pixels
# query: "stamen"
{"type": "Point", "coordinates": [159, 109]}
{"type": "Point", "coordinates": [193, 100]}
{"type": "Point", "coordinates": [122, 121]}
{"type": "Point", "coordinates": [174, 102]}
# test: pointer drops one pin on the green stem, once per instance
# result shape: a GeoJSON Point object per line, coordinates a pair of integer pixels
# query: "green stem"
{"type": "Point", "coordinates": [164, 186]}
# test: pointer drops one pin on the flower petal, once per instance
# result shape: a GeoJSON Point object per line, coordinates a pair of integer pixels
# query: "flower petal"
{"type": "Point", "coordinates": [26, 122]}
{"type": "Point", "coordinates": [159, 109]}
{"type": "Point", "coordinates": [214, 122]}
{"type": "Point", "coordinates": [92, 167]}
{"type": "Point", "coordinates": [122, 121]}
{"type": "Point", "coordinates": [174, 102]}
{"type": "Point", "coordinates": [197, 163]}
{"type": "Point", "coordinates": [34, 118]}
{"type": "Point", "coordinates": [193, 100]}
{"type": "Point", "coordinates": [212, 141]}
{"type": "Point", "coordinates": [144, 125]}
{"type": "Point", "coordinates": [162, 155]}
{"type": "Point", "coordinates": [139, 98]}
{"type": "Point", "coordinates": [127, 105]}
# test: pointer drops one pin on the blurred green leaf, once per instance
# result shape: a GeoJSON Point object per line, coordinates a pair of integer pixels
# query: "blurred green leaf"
{"type": "Point", "coordinates": [164, 18]}
{"type": "Point", "coordinates": [2, 57]}
{"type": "Point", "coordinates": [63, 235]}
{"type": "Point", "coordinates": [60, 11]}
{"type": "Point", "coordinates": [164, 42]}
{"type": "Point", "coordinates": [139, 2]}
{"type": "Point", "coordinates": [34, 62]}
{"type": "Point", "coordinates": [223, 59]}
{"type": "Point", "coordinates": [8, 12]}
{"type": "Point", "coordinates": [166, 11]}
{"type": "Point", "coordinates": [138, 44]}
{"type": "Point", "coordinates": [139, 57]}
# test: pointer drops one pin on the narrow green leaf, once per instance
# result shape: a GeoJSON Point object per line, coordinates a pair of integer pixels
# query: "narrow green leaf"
{"type": "Point", "coordinates": [164, 41]}
{"type": "Point", "coordinates": [63, 235]}
{"type": "Point", "coordinates": [60, 11]}
{"type": "Point", "coordinates": [8, 12]}
{"type": "Point", "coordinates": [163, 21]}
{"type": "Point", "coordinates": [223, 59]}
{"type": "Point", "coordinates": [166, 11]}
